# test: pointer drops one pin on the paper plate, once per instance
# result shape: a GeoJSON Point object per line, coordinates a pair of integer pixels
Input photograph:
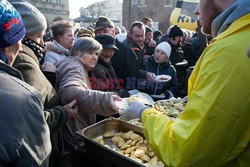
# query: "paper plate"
{"type": "Point", "coordinates": [163, 78]}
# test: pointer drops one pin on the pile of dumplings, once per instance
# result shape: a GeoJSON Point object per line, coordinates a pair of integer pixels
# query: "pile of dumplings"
{"type": "Point", "coordinates": [131, 145]}
{"type": "Point", "coordinates": [172, 107]}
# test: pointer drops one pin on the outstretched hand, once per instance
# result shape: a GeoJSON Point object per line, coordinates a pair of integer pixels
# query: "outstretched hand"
{"type": "Point", "coordinates": [114, 98]}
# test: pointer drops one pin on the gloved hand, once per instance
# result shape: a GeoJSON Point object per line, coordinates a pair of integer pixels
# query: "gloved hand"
{"type": "Point", "coordinates": [135, 109]}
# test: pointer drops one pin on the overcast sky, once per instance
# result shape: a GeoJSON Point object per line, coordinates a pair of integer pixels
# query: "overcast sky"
{"type": "Point", "coordinates": [75, 5]}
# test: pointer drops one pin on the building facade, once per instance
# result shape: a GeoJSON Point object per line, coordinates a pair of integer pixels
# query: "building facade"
{"type": "Point", "coordinates": [158, 10]}
{"type": "Point", "coordinates": [52, 8]}
{"type": "Point", "coordinates": [109, 8]}
{"type": "Point", "coordinates": [113, 10]}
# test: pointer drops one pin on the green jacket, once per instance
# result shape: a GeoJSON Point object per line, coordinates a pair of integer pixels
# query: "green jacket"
{"type": "Point", "coordinates": [27, 63]}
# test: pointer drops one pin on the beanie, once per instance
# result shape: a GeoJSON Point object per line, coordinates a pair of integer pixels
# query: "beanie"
{"type": "Point", "coordinates": [11, 25]}
{"type": "Point", "coordinates": [33, 19]}
{"type": "Point", "coordinates": [164, 46]}
{"type": "Point", "coordinates": [103, 22]}
{"type": "Point", "coordinates": [175, 31]}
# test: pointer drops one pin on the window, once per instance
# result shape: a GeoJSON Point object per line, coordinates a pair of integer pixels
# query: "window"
{"type": "Point", "coordinates": [138, 2]}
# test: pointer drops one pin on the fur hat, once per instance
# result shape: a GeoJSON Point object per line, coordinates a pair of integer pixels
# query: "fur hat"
{"type": "Point", "coordinates": [33, 19]}
{"type": "Point", "coordinates": [175, 31]}
{"type": "Point", "coordinates": [164, 46]}
{"type": "Point", "coordinates": [11, 25]}
{"type": "Point", "coordinates": [83, 32]}
{"type": "Point", "coordinates": [103, 22]}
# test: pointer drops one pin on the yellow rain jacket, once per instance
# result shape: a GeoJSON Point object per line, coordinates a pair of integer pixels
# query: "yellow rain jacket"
{"type": "Point", "coordinates": [214, 128]}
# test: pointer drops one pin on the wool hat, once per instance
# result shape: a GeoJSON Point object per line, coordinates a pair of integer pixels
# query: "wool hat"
{"type": "Point", "coordinates": [175, 31]}
{"type": "Point", "coordinates": [107, 41]}
{"type": "Point", "coordinates": [164, 46]}
{"type": "Point", "coordinates": [103, 22]}
{"type": "Point", "coordinates": [33, 19]}
{"type": "Point", "coordinates": [11, 25]}
{"type": "Point", "coordinates": [156, 34]}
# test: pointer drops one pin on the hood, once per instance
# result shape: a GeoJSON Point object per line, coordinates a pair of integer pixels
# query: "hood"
{"type": "Point", "coordinates": [225, 19]}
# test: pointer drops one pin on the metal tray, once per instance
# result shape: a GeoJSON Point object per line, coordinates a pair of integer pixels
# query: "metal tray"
{"type": "Point", "coordinates": [110, 155]}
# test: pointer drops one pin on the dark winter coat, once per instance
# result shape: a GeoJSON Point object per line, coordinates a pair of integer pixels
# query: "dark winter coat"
{"type": "Point", "coordinates": [177, 56]}
{"type": "Point", "coordinates": [164, 68]}
{"type": "Point", "coordinates": [124, 62]}
{"type": "Point", "coordinates": [104, 79]}
{"type": "Point", "coordinates": [140, 52]}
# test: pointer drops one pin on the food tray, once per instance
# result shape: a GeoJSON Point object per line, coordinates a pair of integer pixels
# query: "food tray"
{"type": "Point", "coordinates": [108, 154]}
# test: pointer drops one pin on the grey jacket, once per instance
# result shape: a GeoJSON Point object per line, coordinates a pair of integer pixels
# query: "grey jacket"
{"type": "Point", "coordinates": [72, 83]}
{"type": "Point", "coordinates": [24, 137]}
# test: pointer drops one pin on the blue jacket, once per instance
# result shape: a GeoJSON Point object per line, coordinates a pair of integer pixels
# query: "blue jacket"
{"type": "Point", "coordinates": [165, 68]}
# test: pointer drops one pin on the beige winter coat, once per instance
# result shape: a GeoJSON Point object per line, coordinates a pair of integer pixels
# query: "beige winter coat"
{"type": "Point", "coordinates": [72, 83]}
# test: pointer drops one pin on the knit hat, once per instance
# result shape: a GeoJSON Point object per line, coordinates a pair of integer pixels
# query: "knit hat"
{"type": "Point", "coordinates": [103, 22]}
{"type": "Point", "coordinates": [107, 41]}
{"type": "Point", "coordinates": [164, 46]}
{"type": "Point", "coordinates": [175, 31]}
{"type": "Point", "coordinates": [11, 25]}
{"type": "Point", "coordinates": [33, 19]}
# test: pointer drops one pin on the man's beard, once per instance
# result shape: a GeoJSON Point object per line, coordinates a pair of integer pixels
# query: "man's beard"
{"type": "Point", "coordinates": [212, 11]}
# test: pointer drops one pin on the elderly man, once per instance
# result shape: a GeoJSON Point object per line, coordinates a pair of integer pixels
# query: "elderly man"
{"type": "Point", "coordinates": [213, 129]}
{"type": "Point", "coordinates": [124, 60]}
{"type": "Point", "coordinates": [135, 40]}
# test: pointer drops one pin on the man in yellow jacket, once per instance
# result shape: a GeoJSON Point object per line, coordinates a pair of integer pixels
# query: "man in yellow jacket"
{"type": "Point", "coordinates": [214, 128]}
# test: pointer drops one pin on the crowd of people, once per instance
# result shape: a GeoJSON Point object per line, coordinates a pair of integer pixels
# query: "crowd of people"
{"type": "Point", "coordinates": [51, 89]}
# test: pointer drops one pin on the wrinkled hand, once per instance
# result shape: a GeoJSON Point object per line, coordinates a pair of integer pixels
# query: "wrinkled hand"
{"type": "Point", "coordinates": [150, 76]}
{"type": "Point", "coordinates": [72, 109]}
{"type": "Point", "coordinates": [114, 98]}
{"type": "Point", "coordinates": [135, 109]}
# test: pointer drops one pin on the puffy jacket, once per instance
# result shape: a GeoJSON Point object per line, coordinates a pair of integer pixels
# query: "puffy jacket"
{"type": "Point", "coordinates": [214, 128]}
{"type": "Point", "coordinates": [55, 52]}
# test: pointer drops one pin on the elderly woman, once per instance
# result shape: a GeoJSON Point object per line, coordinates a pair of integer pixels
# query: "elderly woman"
{"type": "Point", "coordinates": [73, 83]}
{"type": "Point", "coordinates": [63, 37]}
{"type": "Point", "coordinates": [159, 64]}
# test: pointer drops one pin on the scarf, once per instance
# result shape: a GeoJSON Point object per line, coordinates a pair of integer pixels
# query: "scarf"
{"type": "Point", "coordinates": [38, 49]}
